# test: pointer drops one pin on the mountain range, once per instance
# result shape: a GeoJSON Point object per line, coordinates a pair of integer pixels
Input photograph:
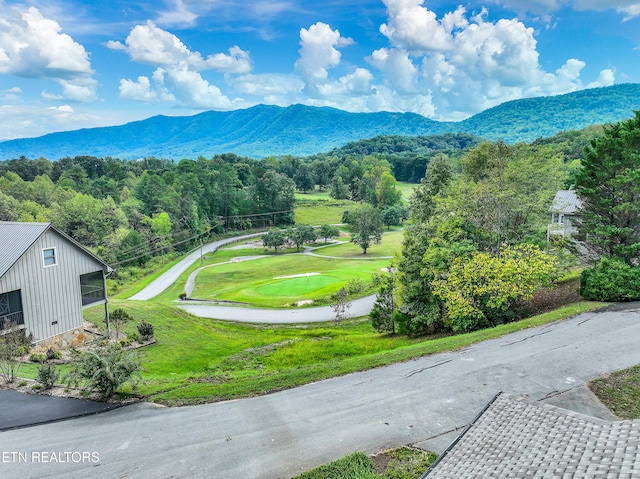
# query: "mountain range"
{"type": "Point", "coordinates": [265, 130]}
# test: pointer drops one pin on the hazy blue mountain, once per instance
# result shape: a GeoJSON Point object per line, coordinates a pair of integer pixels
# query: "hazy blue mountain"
{"type": "Point", "coordinates": [302, 130]}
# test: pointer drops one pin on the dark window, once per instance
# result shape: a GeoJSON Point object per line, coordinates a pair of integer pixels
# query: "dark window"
{"type": "Point", "coordinates": [92, 288]}
{"type": "Point", "coordinates": [11, 309]}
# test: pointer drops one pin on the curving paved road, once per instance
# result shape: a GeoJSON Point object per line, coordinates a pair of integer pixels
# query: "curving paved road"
{"type": "Point", "coordinates": [426, 401]}
{"type": "Point", "coordinates": [171, 275]}
{"type": "Point", "coordinates": [359, 307]}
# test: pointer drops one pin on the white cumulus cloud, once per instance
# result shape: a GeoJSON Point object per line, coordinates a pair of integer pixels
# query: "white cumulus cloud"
{"type": "Point", "coordinates": [318, 51]}
{"type": "Point", "coordinates": [464, 64]}
{"type": "Point", "coordinates": [32, 46]}
{"type": "Point", "coordinates": [178, 69]}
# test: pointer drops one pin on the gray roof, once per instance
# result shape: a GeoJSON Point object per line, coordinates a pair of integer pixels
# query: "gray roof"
{"type": "Point", "coordinates": [566, 201]}
{"type": "Point", "coordinates": [516, 439]}
{"type": "Point", "coordinates": [16, 238]}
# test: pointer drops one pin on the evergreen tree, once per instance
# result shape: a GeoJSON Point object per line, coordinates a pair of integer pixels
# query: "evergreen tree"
{"type": "Point", "coordinates": [609, 186]}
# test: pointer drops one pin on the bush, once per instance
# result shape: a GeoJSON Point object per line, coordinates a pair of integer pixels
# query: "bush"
{"type": "Point", "coordinates": [51, 354]}
{"type": "Point", "coordinates": [120, 315]}
{"type": "Point", "coordinates": [355, 286]}
{"type": "Point", "coordinates": [145, 330]}
{"type": "Point", "coordinates": [38, 357]}
{"type": "Point", "coordinates": [105, 370]}
{"type": "Point", "coordinates": [611, 280]}
{"type": "Point", "coordinates": [48, 375]}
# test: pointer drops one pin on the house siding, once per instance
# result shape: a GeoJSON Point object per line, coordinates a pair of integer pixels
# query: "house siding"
{"type": "Point", "coordinates": [50, 294]}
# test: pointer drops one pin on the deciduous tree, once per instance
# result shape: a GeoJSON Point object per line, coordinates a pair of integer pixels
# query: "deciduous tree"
{"type": "Point", "coordinates": [365, 222]}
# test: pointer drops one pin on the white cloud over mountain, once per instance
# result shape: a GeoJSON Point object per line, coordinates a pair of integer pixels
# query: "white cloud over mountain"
{"type": "Point", "coordinates": [32, 46]}
{"type": "Point", "coordinates": [467, 64]}
{"type": "Point", "coordinates": [178, 67]}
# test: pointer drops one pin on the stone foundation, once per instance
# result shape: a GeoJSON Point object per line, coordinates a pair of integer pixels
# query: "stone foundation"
{"type": "Point", "coordinates": [70, 339]}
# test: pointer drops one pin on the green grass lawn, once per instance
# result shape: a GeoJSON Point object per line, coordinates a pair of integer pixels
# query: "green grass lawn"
{"type": "Point", "coordinates": [400, 463]}
{"type": "Point", "coordinates": [197, 360]}
{"type": "Point", "coordinates": [390, 245]}
{"type": "Point", "coordinates": [320, 213]}
{"type": "Point", "coordinates": [620, 392]}
{"type": "Point", "coordinates": [264, 282]}
{"type": "Point", "coordinates": [406, 189]}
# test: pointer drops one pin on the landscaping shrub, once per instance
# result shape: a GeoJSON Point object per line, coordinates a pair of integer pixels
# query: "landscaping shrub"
{"type": "Point", "coordinates": [12, 344]}
{"type": "Point", "coordinates": [48, 375]}
{"type": "Point", "coordinates": [611, 280]}
{"type": "Point", "coordinates": [145, 330]}
{"type": "Point", "coordinates": [51, 354]}
{"type": "Point", "coordinates": [355, 286]}
{"type": "Point", "coordinates": [38, 357]}
{"type": "Point", "coordinates": [104, 370]}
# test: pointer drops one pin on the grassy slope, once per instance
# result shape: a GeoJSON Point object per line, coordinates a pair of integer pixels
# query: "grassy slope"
{"type": "Point", "coordinates": [198, 360]}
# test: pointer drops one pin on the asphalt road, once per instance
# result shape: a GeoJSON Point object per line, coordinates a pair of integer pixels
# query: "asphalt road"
{"type": "Point", "coordinates": [171, 276]}
{"type": "Point", "coordinates": [421, 401]}
{"type": "Point", "coordinates": [359, 307]}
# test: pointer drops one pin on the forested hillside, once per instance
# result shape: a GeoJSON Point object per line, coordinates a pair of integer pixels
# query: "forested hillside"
{"type": "Point", "coordinates": [302, 130]}
{"type": "Point", "coordinates": [128, 209]}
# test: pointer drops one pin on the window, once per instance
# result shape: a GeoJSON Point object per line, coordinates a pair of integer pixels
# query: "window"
{"type": "Point", "coordinates": [11, 309]}
{"type": "Point", "coordinates": [49, 257]}
{"type": "Point", "coordinates": [92, 288]}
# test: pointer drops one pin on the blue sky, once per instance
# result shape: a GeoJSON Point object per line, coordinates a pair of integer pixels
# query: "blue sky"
{"type": "Point", "coordinates": [82, 63]}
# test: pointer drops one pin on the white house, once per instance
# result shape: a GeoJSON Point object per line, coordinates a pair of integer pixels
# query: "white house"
{"type": "Point", "coordinates": [564, 211]}
{"type": "Point", "coordinates": [46, 279]}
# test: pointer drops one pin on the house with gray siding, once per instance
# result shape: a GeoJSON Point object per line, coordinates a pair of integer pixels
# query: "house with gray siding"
{"type": "Point", "coordinates": [46, 280]}
{"type": "Point", "coordinates": [565, 211]}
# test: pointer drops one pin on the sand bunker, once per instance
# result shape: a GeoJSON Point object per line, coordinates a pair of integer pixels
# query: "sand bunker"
{"type": "Point", "coordinates": [297, 275]}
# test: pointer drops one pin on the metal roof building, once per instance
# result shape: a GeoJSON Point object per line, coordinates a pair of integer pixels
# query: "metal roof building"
{"type": "Point", "coordinates": [46, 279]}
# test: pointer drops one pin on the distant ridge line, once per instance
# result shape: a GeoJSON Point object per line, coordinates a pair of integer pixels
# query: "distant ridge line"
{"type": "Point", "coordinates": [300, 130]}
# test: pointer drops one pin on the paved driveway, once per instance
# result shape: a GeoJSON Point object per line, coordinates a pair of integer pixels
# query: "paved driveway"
{"type": "Point", "coordinates": [422, 401]}
{"type": "Point", "coordinates": [20, 409]}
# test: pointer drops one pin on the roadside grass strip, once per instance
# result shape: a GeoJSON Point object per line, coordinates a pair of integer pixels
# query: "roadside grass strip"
{"type": "Point", "coordinates": [620, 392]}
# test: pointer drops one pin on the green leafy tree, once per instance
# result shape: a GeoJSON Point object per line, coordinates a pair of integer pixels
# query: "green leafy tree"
{"type": "Point", "coordinates": [339, 189]}
{"type": "Point", "coordinates": [9, 208]}
{"type": "Point", "coordinates": [483, 290]}
{"type": "Point", "coordinates": [394, 215]}
{"type": "Point", "coordinates": [274, 238]}
{"type": "Point", "coordinates": [383, 313]}
{"type": "Point", "coordinates": [321, 172]}
{"type": "Point", "coordinates": [302, 234]}
{"type": "Point", "coordinates": [419, 311]}
{"type": "Point", "coordinates": [303, 178]}
{"type": "Point", "coordinates": [272, 192]}
{"type": "Point", "coordinates": [340, 305]}
{"type": "Point", "coordinates": [329, 231]}
{"type": "Point", "coordinates": [437, 178]}
{"type": "Point", "coordinates": [609, 186]}
{"type": "Point", "coordinates": [365, 222]}
{"type": "Point", "coordinates": [387, 193]}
